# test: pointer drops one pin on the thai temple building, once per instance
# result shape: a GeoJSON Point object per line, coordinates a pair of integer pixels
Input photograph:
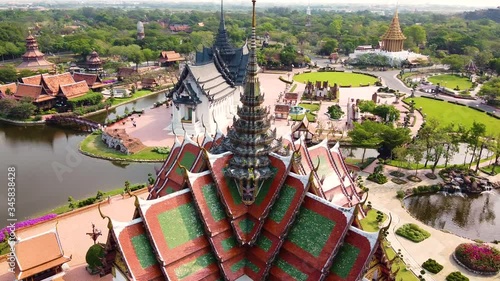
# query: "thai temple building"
{"type": "Point", "coordinates": [245, 206]}
{"type": "Point", "coordinates": [33, 59]}
{"type": "Point", "coordinates": [391, 46]}
{"type": "Point", "coordinates": [210, 89]}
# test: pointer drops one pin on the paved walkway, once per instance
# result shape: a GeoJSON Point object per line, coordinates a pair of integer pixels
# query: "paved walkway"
{"type": "Point", "coordinates": [72, 231]}
{"type": "Point", "coordinates": [439, 246]}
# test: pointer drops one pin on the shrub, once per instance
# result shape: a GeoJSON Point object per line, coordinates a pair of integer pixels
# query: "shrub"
{"type": "Point", "coordinates": [90, 98]}
{"type": "Point", "coordinates": [137, 187]}
{"type": "Point", "coordinates": [426, 189]}
{"type": "Point", "coordinates": [94, 256]}
{"type": "Point", "coordinates": [432, 266]}
{"type": "Point", "coordinates": [27, 223]}
{"type": "Point", "coordinates": [413, 232]}
{"type": "Point", "coordinates": [161, 150]}
{"type": "Point", "coordinates": [86, 202]}
{"type": "Point", "coordinates": [456, 276]}
{"type": "Point", "coordinates": [335, 111]}
{"type": "Point", "coordinates": [378, 178]}
{"type": "Point", "coordinates": [400, 194]}
{"type": "Point", "coordinates": [478, 257]}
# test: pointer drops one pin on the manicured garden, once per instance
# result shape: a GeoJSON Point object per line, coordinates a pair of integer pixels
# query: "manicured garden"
{"type": "Point", "coordinates": [451, 81]}
{"type": "Point", "coordinates": [373, 219]}
{"type": "Point", "coordinates": [432, 266]}
{"type": "Point", "coordinates": [478, 257]}
{"type": "Point", "coordinates": [136, 95]}
{"type": "Point", "coordinates": [413, 232]}
{"type": "Point", "coordinates": [449, 113]}
{"type": "Point", "coordinates": [311, 114]}
{"type": "Point", "coordinates": [341, 78]}
{"type": "Point", "coordinates": [403, 273]}
{"type": "Point", "coordinates": [93, 145]}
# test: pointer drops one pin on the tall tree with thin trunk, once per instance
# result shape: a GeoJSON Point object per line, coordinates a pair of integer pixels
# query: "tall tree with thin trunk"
{"type": "Point", "coordinates": [477, 132]}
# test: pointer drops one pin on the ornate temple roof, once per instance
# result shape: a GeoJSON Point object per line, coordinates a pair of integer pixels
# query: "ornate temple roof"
{"type": "Point", "coordinates": [394, 32]}
{"type": "Point", "coordinates": [234, 59]}
{"type": "Point", "coordinates": [242, 205]}
{"type": "Point", "coordinates": [211, 80]}
{"type": "Point", "coordinates": [33, 58]}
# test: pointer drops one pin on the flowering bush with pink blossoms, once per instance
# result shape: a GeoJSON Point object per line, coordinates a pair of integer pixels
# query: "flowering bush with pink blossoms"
{"type": "Point", "coordinates": [26, 223]}
{"type": "Point", "coordinates": [478, 257]}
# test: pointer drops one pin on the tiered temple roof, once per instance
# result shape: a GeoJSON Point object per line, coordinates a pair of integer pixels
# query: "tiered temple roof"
{"type": "Point", "coordinates": [393, 39]}
{"type": "Point", "coordinates": [242, 205]}
{"type": "Point", "coordinates": [235, 59]}
{"type": "Point", "coordinates": [33, 58]}
{"type": "Point", "coordinates": [94, 62]}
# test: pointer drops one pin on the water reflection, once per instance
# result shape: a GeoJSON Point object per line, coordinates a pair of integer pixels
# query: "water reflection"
{"type": "Point", "coordinates": [471, 216]}
{"type": "Point", "coordinates": [49, 168]}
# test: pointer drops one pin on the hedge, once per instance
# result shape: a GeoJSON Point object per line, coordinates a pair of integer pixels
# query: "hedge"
{"type": "Point", "coordinates": [89, 98]}
{"type": "Point", "coordinates": [456, 276]}
{"type": "Point", "coordinates": [413, 232]}
{"type": "Point", "coordinates": [432, 266]}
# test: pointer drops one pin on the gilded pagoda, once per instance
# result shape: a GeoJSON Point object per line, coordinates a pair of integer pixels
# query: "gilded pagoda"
{"type": "Point", "coordinates": [245, 206]}
{"type": "Point", "coordinates": [393, 39]}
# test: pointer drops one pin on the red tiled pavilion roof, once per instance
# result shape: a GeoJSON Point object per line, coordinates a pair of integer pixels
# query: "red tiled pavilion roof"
{"type": "Point", "coordinates": [92, 80]}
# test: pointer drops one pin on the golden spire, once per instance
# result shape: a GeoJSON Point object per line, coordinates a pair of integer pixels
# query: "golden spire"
{"type": "Point", "coordinates": [393, 38]}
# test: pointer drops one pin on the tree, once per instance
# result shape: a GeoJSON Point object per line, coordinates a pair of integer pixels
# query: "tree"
{"type": "Point", "coordinates": [388, 113]}
{"type": "Point", "coordinates": [490, 91]}
{"type": "Point", "coordinates": [8, 74]}
{"type": "Point", "coordinates": [127, 187]}
{"type": "Point", "coordinates": [288, 55]}
{"type": "Point", "coordinates": [330, 46]}
{"type": "Point", "coordinates": [400, 153]}
{"type": "Point", "coordinates": [149, 55]}
{"type": "Point", "coordinates": [22, 110]}
{"type": "Point", "coordinates": [494, 146]}
{"type": "Point", "coordinates": [477, 132]}
{"type": "Point", "coordinates": [455, 62]}
{"type": "Point", "coordinates": [451, 147]}
{"type": "Point", "coordinates": [415, 151]}
{"type": "Point", "coordinates": [72, 203]}
{"type": "Point", "coordinates": [428, 135]}
{"type": "Point", "coordinates": [393, 137]}
{"type": "Point", "coordinates": [365, 135]}
{"type": "Point", "coordinates": [494, 65]}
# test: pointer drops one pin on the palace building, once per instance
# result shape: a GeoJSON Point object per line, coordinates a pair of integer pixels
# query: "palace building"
{"type": "Point", "coordinates": [245, 206]}
{"type": "Point", "coordinates": [210, 89]}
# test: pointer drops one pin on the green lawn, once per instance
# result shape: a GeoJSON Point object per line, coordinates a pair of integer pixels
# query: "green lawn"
{"type": "Point", "coordinates": [451, 81]}
{"type": "Point", "coordinates": [341, 78]}
{"type": "Point", "coordinates": [94, 145]}
{"type": "Point", "coordinates": [369, 223]}
{"type": "Point", "coordinates": [311, 114]}
{"type": "Point", "coordinates": [489, 169]}
{"type": "Point", "coordinates": [137, 94]}
{"type": "Point", "coordinates": [451, 113]}
{"type": "Point", "coordinates": [403, 273]}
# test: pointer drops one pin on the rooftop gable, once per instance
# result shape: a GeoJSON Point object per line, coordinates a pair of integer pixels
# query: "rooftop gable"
{"type": "Point", "coordinates": [51, 83]}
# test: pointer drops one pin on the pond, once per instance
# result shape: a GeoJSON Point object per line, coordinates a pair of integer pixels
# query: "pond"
{"type": "Point", "coordinates": [470, 216]}
{"type": "Point", "coordinates": [143, 103]}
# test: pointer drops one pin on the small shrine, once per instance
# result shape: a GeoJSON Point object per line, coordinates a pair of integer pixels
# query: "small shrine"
{"type": "Point", "coordinates": [94, 63]}
{"type": "Point", "coordinates": [321, 90]}
{"type": "Point", "coordinates": [40, 257]}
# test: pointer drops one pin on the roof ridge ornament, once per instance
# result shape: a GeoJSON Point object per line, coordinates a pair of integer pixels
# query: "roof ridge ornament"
{"type": "Point", "coordinates": [110, 223]}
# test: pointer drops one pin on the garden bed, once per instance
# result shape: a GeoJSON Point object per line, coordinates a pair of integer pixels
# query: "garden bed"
{"type": "Point", "coordinates": [413, 178]}
{"type": "Point", "coordinates": [478, 258]}
{"type": "Point", "coordinates": [432, 266]}
{"type": "Point", "coordinates": [413, 232]}
{"type": "Point", "coordinates": [398, 181]}
{"type": "Point", "coordinates": [431, 176]}
{"type": "Point", "coordinates": [397, 174]}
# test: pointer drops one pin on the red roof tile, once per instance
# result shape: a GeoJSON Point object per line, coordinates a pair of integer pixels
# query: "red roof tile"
{"type": "Point", "coordinates": [74, 90]}
{"type": "Point", "coordinates": [91, 79]}
{"type": "Point", "coordinates": [51, 83]}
